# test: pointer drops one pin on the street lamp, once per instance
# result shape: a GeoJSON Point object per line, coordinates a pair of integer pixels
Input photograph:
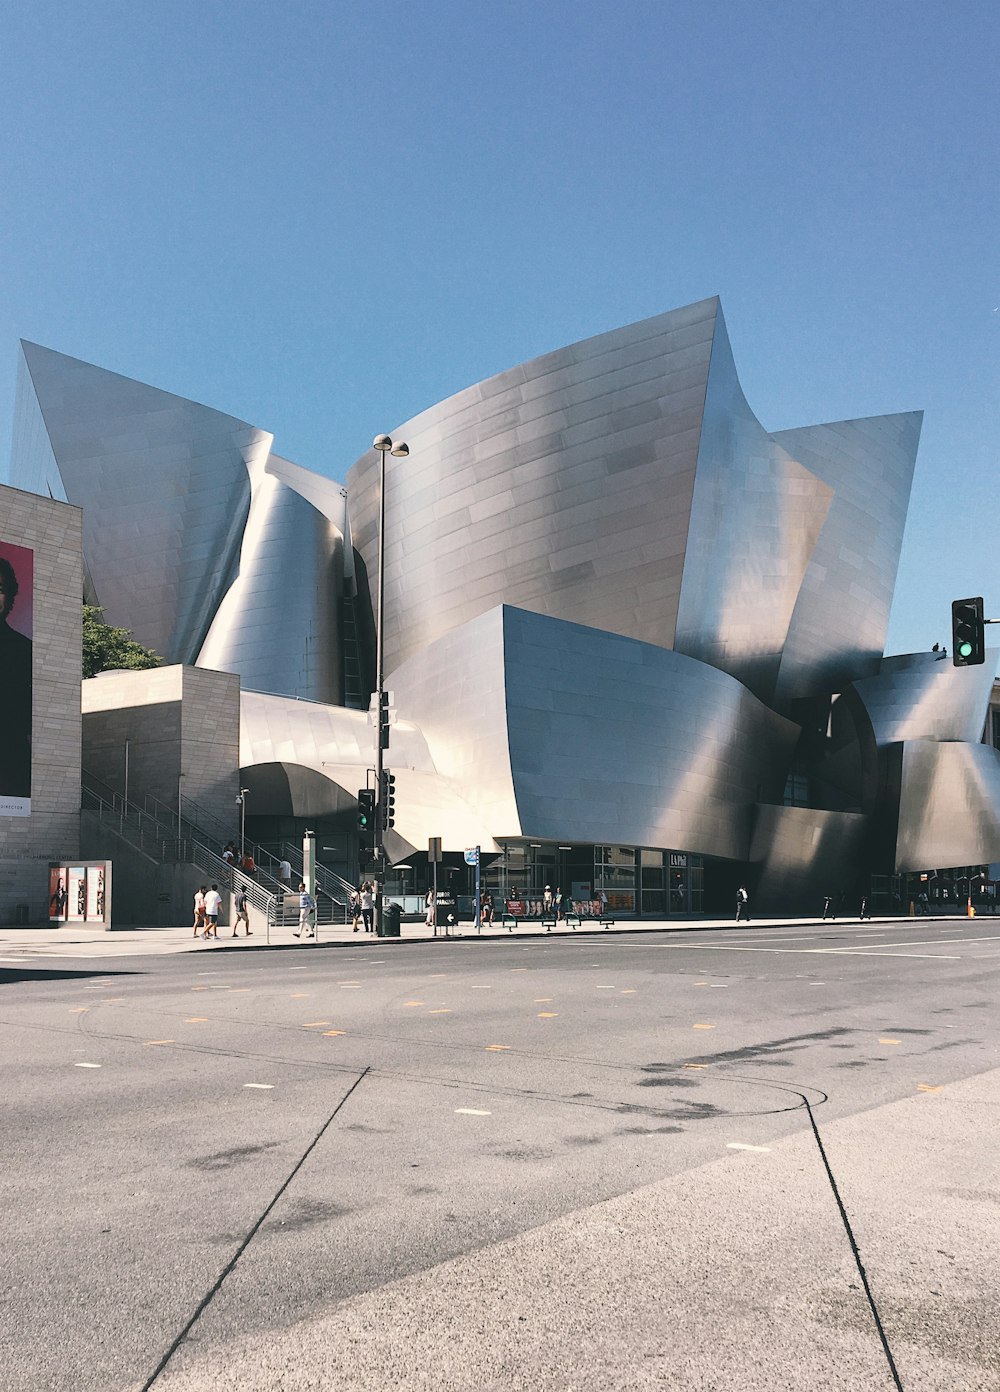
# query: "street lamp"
{"type": "Point", "coordinates": [383, 445]}
{"type": "Point", "coordinates": [242, 805]}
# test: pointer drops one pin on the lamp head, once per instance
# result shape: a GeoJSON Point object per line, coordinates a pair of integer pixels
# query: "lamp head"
{"type": "Point", "coordinates": [382, 442]}
{"type": "Point", "coordinates": [401, 450]}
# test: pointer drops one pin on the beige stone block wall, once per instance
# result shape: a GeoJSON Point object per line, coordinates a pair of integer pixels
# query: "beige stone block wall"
{"type": "Point", "coordinates": [54, 532]}
{"type": "Point", "coordinates": [181, 723]}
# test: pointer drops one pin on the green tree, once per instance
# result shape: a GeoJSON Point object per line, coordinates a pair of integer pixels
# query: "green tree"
{"type": "Point", "coordinates": [106, 649]}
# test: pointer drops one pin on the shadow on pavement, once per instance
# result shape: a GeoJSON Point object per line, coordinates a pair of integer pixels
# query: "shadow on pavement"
{"type": "Point", "coordinates": [11, 974]}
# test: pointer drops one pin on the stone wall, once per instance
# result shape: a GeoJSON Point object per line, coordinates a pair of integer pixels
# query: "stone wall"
{"type": "Point", "coordinates": [182, 729]}
{"type": "Point", "coordinates": [53, 531]}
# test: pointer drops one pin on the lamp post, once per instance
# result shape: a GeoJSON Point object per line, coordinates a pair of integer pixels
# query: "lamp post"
{"type": "Point", "coordinates": [383, 445]}
{"type": "Point", "coordinates": [241, 802]}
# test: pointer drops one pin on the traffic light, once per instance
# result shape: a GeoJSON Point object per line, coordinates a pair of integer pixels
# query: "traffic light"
{"type": "Point", "coordinates": [383, 720]}
{"type": "Point", "coordinates": [968, 641]}
{"type": "Point", "coordinates": [366, 809]}
{"type": "Point", "coordinates": [388, 799]}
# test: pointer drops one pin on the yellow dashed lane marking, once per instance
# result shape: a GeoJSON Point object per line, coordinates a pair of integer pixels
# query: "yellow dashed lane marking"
{"type": "Point", "coordinates": [928, 1087]}
{"type": "Point", "coordinates": [703, 1027]}
{"type": "Point", "coordinates": [630, 992]}
{"type": "Point", "coordinates": [197, 1020]}
{"type": "Point", "coordinates": [543, 1000]}
{"type": "Point", "coordinates": [328, 1033]}
{"type": "Point", "coordinates": [413, 1002]}
{"type": "Point", "coordinates": [301, 995]}
{"type": "Point", "coordinates": [694, 1065]}
{"type": "Point", "coordinates": [315, 1024]}
{"type": "Point", "coordinates": [495, 1048]}
{"type": "Point", "coordinates": [161, 1041]}
{"type": "Point", "coordinates": [547, 1014]}
{"type": "Point", "coordinates": [445, 1010]}
{"type": "Point", "coordinates": [890, 1041]}
{"type": "Point", "coordinates": [79, 1009]}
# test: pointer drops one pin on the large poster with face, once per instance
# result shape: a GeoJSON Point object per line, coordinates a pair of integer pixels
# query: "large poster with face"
{"type": "Point", "coordinates": [16, 613]}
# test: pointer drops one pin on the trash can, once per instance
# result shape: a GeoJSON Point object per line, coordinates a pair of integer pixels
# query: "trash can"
{"type": "Point", "coordinates": [389, 925]}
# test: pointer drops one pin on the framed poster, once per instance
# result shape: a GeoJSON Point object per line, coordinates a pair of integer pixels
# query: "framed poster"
{"type": "Point", "coordinates": [58, 894]}
{"type": "Point", "coordinates": [17, 570]}
{"type": "Point", "coordinates": [80, 893]}
{"type": "Point", "coordinates": [76, 887]}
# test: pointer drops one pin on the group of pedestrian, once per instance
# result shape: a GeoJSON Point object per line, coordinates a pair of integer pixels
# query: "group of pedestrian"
{"type": "Point", "coordinates": [245, 862]}
{"type": "Point", "coordinates": [362, 907]}
{"type": "Point", "coordinates": [208, 906]}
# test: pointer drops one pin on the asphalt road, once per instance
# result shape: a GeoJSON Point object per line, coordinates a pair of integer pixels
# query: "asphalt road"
{"type": "Point", "coordinates": [655, 1161]}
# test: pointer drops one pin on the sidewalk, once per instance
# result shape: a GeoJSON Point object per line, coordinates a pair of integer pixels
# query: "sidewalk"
{"type": "Point", "coordinates": [76, 940]}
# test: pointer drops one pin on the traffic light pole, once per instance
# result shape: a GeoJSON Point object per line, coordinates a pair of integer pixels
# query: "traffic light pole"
{"type": "Point", "coordinates": [382, 728]}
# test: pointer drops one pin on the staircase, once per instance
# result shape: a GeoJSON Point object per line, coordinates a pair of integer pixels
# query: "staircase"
{"type": "Point", "coordinates": [191, 835]}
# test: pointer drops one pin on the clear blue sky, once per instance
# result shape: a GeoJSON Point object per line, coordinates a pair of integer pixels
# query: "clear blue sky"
{"type": "Point", "coordinates": [325, 217]}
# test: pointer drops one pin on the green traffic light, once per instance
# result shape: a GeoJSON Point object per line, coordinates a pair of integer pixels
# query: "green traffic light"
{"type": "Point", "coordinates": [965, 649]}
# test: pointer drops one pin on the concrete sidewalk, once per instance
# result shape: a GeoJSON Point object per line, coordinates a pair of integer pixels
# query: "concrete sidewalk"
{"type": "Point", "coordinates": [76, 940]}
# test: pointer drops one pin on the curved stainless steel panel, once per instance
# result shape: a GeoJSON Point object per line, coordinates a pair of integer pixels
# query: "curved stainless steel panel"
{"type": "Point", "coordinates": [838, 629]}
{"type": "Point", "coordinates": [922, 696]}
{"type": "Point", "coordinates": [756, 516]}
{"type": "Point", "coordinates": [279, 623]}
{"type": "Point", "coordinates": [949, 805]}
{"type": "Point", "coordinates": [605, 738]}
{"type": "Point", "coordinates": [562, 486]}
{"type": "Point", "coordinates": [164, 487]}
{"type": "Point", "coordinates": [804, 853]}
{"type": "Point", "coordinates": [310, 741]}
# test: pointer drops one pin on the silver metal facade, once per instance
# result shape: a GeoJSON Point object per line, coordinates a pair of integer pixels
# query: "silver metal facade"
{"type": "Point", "coordinates": [618, 609]}
{"type": "Point", "coordinates": [562, 486]}
{"type": "Point", "coordinates": [211, 549]}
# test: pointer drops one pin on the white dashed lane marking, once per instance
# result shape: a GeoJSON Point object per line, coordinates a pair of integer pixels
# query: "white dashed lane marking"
{"type": "Point", "coordinates": [470, 1111]}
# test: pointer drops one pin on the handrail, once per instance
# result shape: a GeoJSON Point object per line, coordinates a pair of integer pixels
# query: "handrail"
{"type": "Point", "coordinates": [293, 854]}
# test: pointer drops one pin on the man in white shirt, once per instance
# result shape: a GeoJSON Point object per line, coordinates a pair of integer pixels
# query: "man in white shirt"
{"type": "Point", "coordinates": [307, 908]}
{"type": "Point", "coordinates": [285, 873]}
{"type": "Point", "coordinates": [213, 906]}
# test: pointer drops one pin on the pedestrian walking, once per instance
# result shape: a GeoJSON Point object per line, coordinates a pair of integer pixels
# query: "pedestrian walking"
{"type": "Point", "coordinates": [307, 912]}
{"type": "Point", "coordinates": [247, 864]}
{"type": "Point", "coordinates": [367, 906]}
{"type": "Point", "coordinates": [213, 906]}
{"type": "Point", "coordinates": [242, 913]}
{"type": "Point", "coordinates": [922, 902]}
{"type": "Point", "coordinates": [429, 909]}
{"type": "Point", "coordinates": [558, 900]}
{"type": "Point", "coordinates": [285, 874]}
{"type": "Point", "coordinates": [486, 906]}
{"type": "Point", "coordinates": [742, 904]}
{"type": "Point", "coordinates": [354, 904]}
{"type": "Point", "coordinates": [199, 911]}
{"type": "Point", "coordinates": [547, 902]}
{"type": "Point", "coordinates": [229, 853]}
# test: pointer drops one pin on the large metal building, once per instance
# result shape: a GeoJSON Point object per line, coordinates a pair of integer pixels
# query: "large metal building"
{"type": "Point", "coordinates": [635, 641]}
